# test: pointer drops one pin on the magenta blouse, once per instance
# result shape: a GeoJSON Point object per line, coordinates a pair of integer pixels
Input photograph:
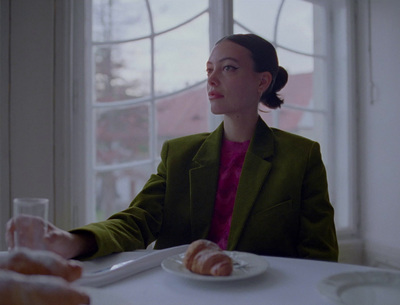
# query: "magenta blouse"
{"type": "Point", "coordinates": [232, 158]}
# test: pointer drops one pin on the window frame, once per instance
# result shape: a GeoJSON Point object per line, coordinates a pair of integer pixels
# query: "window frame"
{"type": "Point", "coordinates": [343, 178]}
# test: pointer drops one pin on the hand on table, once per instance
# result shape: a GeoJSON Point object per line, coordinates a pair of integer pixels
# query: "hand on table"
{"type": "Point", "coordinates": [32, 235]}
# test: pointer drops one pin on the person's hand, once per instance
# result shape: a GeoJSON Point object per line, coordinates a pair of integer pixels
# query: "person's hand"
{"type": "Point", "coordinates": [20, 289]}
{"type": "Point", "coordinates": [41, 262]}
{"type": "Point", "coordinates": [30, 230]}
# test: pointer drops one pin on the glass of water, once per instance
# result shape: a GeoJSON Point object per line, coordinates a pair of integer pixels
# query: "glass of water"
{"type": "Point", "coordinates": [31, 216]}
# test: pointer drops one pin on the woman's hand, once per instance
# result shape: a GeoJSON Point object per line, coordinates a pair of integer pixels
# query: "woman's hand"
{"type": "Point", "coordinates": [32, 235]}
{"type": "Point", "coordinates": [20, 289]}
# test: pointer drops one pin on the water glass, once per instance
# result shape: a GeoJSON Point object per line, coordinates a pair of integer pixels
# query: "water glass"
{"type": "Point", "coordinates": [29, 232]}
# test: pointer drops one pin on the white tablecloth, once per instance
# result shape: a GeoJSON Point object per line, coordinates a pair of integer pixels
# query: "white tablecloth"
{"type": "Point", "coordinates": [286, 281]}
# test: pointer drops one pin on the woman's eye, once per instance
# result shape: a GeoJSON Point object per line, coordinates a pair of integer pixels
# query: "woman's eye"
{"type": "Point", "coordinates": [227, 68]}
{"type": "Point", "coordinates": [230, 68]}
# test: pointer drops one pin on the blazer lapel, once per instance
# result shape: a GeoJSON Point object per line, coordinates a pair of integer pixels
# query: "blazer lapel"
{"type": "Point", "coordinates": [203, 183]}
{"type": "Point", "coordinates": [254, 173]}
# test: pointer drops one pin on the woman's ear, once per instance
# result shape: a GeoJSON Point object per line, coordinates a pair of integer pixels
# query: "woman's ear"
{"type": "Point", "coordinates": [265, 82]}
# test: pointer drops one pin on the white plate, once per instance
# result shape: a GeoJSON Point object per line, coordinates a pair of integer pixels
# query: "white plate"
{"type": "Point", "coordinates": [245, 265]}
{"type": "Point", "coordinates": [366, 288]}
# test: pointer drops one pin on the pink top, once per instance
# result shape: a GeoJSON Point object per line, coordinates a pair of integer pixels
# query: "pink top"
{"type": "Point", "coordinates": [232, 158]}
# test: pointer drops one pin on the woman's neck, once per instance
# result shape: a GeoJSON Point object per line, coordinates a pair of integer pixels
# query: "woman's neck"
{"type": "Point", "coordinates": [239, 128]}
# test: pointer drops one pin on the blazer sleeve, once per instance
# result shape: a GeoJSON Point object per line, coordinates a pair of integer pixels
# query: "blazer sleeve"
{"type": "Point", "coordinates": [139, 224]}
{"type": "Point", "coordinates": [317, 236]}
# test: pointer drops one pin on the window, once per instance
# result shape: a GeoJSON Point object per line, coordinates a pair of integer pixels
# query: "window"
{"type": "Point", "coordinates": [145, 83]}
{"type": "Point", "coordinates": [144, 91]}
{"type": "Point", "coordinates": [311, 40]}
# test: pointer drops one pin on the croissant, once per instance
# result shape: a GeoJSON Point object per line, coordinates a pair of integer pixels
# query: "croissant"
{"type": "Point", "coordinates": [206, 258]}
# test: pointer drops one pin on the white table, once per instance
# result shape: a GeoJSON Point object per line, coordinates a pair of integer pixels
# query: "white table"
{"type": "Point", "coordinates": [286, 281]}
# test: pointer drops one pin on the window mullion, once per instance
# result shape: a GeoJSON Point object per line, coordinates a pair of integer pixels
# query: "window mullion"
{"type": "Point", "coordinates": [221, 19]}
{"type": "Point", "coordinates": [82, 184]}
{"type": "Point", "coordinates": [221, 24]}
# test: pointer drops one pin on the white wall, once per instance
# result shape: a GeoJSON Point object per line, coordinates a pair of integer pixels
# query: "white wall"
{"type": "Point", "coordinates": [32, 82]}
{"type": "Point", "coordinates": [27, 103]}
{"type": "Point", "coordinates": [4, 109]}
{"type": "Point", "coordinates": [379, 133]}
{"type": "Point", "coordinates": [35, 106]}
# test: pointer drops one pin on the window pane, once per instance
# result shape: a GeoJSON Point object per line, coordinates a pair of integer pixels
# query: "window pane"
{"type": "Point", "coordinates": [258, 16]}
{"type": "Point", "coordinates": [296, 28]}
{"type": "Point", "coordinates": [182, 114]}
{"type": "Point", "coordinates": [123, 71]}
{"type": "Point", "coordinates": [295, 63]}
{"type": "Point", "coordinates": [168, 14]}
{"type": "Point", "coordinates": [239, 29]}
{"type": "Point", "coordinates": [119, 20]}
{"type": "Point", "coordinates": [116, 189]}
{"type": "Point", "coordinates": [298, 90]}
{"type": "Point", "coordinates": [122, 135]}
{"type": "Point", "coordinates": [129, 126]}
{"type": "Point", "coordinates": [307, 124]}
{"type": "Point", "coordinates": [181, 55]}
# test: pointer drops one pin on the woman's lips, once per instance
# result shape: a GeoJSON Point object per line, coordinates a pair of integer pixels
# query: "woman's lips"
{"type": "Point", "coordinates": [212, 95]}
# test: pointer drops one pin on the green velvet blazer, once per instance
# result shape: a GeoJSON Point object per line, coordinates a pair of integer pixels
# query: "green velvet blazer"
{"type": "Point", "coordinates": [282, 206]}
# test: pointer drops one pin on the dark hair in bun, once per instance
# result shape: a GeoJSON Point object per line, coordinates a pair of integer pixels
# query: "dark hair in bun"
{"type": "Point", "coordinates": [265, 59]}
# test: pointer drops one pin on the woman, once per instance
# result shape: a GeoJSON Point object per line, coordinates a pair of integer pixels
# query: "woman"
{"type": "Point", "coordinates": [246, 186]}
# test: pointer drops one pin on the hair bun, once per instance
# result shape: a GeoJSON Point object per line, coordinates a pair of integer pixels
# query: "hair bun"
{"type": "Point", "coordinates": [280, 80]}
{"type": "Point", "coordinates": [265, 59]}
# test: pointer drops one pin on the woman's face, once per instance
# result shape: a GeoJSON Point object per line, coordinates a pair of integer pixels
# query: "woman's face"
{"type": "Point", "coordinates": [234, 88]}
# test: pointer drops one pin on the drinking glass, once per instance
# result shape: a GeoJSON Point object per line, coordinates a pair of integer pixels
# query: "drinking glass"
{"type": "Point", "coordinates": [29, 231]}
